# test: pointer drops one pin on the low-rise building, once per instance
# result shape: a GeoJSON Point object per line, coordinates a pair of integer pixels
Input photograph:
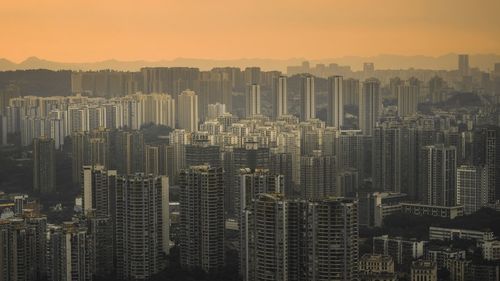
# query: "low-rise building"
{"type": "Point", "coordinates": [440, 255]}
{"type": "Point", "coordinates": [448, 212]}
{"type": "Point", "coordinates": [443, 234]}
{"type": "Point", "coordinates": [403, 251]}
{"type": "Point", "coordinates": [423, 271]}
{"type": "Point", "coordinates": [491, 250]}
{"type": "Point", "coordinates": [376, 267]}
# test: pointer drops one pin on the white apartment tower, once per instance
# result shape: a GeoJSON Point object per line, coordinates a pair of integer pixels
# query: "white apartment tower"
{"type": "Point", "coordinates": [188, 111]}
{"type": "Point", "coordinates": [335, 108]}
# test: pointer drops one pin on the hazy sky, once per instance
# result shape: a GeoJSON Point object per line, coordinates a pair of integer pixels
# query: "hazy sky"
{"type": "Point", "coordinates": [92, 30]}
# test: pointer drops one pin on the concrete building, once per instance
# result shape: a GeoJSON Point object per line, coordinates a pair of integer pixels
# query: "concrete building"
{"type": "Point", "coordinates": [69, 254]}
{"type": "Point", "coordinates": [188, 111]}
{"type": "Point", "coordinates": [98, 190]}
{"type": "Point", "coordinates": [408, 96]}
{"type": "Point", "coordinates": [335, 107]}
{"type": "Point", "coordinates": [252, 103]}
{"type": "Point", "coordinates": [472, 188]}
{"type": "Point", "coordinates": [202, 217]}
{"type": "Point", "coordinates": [318, 176]}
{"type": "Point", "coordinates": [308, 98]}
{"type": "Point", "coordinates": [44, 171]}
{"type": "Point", "coordinates": [444, 234]}
{"type": "Point", "coordinates": [423, 271]}
{"type": "Point", "coordinates": [280, 103]}
{"type": "Point", "coordinates": [370, 106]}
{"type": "Point", "coordinates": [438, 175]}
{"type": "Point", "coordinates": [403, 251]}
{"type": "Point", "coordinates": [142, 225]}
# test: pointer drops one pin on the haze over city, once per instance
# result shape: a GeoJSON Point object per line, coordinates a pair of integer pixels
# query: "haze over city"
{"type": "Point", "coordinates": [288, 140]}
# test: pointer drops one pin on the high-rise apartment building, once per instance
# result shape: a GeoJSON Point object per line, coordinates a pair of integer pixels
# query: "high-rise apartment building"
{"type": "Point", "coordinates": [438, 175]}
{"type": "Point", "coordinates": [22, 240]}
{"type": "Point", "coordinates": [215, 110]}
{"type": "Point", "coordinates": [318, 176]}
{"type": "Point", "coordinates": [251, 183]}
{"type": "Point", "coordinates": [69, 254]}
{"type": "Point", "coordinates": [141, 225]}
{"type": "Point", "coordinates": [486, 151]}
{"type": "Point", "coordinates": [463, 65]}
{"type": "Point", "coordinates": [202, 217]}
{"type": "Point", "coordinates": [307, 98]}
{"type": "Point", "coordinates": [188, 111]}
{"type": "Point", "coordinates": [285, 239]}
{"type": "Point", "coordinates": [280, 105]}
{"type": "Point", "coordinates": [335, 108]}
{"type": "Point", "coordinates": [129, 152]}
{"type": "Point", "coordinates": [332, 221]}
{"type": "Point", "coordinates": [264, 233]}
{"type": "Point", "coordinates": [215, 87]}
{"type": "Point", "coordinates": [252, 103]}
{"type": "Point", "coordinates": [98, 191]}
{"type": "Point", "coordinates": [407, 95]}
{"type": "Point", "coordinates": [171, 80]}
{"type": "Point", "coordinates": [44, 171]}
{"type": "Point", "coordinates": [201, 153]}
{"type": "Point", "coordinates": [472, 187]}
{"type": "Point", "coordinates": [370, 106]}
{"type": "Point", "coordinates": [350, 92]}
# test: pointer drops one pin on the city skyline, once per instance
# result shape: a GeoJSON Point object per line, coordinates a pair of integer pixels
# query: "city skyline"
{"type": "Point", "coordinates": [250, 140]}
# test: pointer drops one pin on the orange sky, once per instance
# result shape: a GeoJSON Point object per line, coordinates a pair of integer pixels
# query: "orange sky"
{"type": "Point", "coordinates": [93, 30]}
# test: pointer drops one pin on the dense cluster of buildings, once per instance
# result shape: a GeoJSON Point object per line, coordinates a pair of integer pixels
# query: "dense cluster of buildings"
{"type": "Point", "coordinates": [292, 170]}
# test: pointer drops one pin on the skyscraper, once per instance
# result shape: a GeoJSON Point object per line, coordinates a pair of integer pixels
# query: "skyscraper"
{"type": "Point", "coordinates": [472, 188]}
{"type": "Point", "coordinates": [285, 239]}
{"type": "Point", "coordinates": [201, 152]}
{"type": "Point", "coordinates": [22, 241]}
{"type": "Point", "coordinates": [98, 190]}
{"type": "Point", "coordinates": [215, 110]}
{"type": "Point", "coordinates": [279, 97]}
{"type": "Point", "coordinates": [129, 152]}
{"type": "Point", "coordinates": [407, 95]}
{"type": "Point", "coordinates": [152, 160]}
{"type": "Point", "coordinates": [332, 243]}
{"type": "Point", "coordinates": [370, 106]}
{"type": "Point", "coordinates": [69, 254]}
{"type": "Point", "coordinates": [252, 75]}
{"type": "Point", "coordinates": [387, 159]}
{"type": "Point", "coordinates": [368, 67]}
{"type": "Point", "coordinates": [188, 111]}
{"type": "Point", "coordinates": [202, 217]}
{"type": "Point", "coordinates": [350, 91]}
{"type": "Point", "coordinates": [463, 64]}
{"type": "Point", "coordinates": [486, 150]}
{"type": "Point", "coordinates": [438, 171]}
{"type": "Point", "coordinates": [252, 104]}
{"type": "Point", "coordinates": [335, 108]}
{"type": "Point", "coordinates": [308, 98]}
{"type": "Point", "coordinates": [251, 183]}
{"type": "Point", "coordinates": [436, 89]}
{"type": "Point", "coordinates": [264, 244]}
{"type": "Point", "coordinates": [142, 225]}
{"type": "Point", "coordinates": [318, 177]}
{"type": "Point", "coordinates": [44, 173]}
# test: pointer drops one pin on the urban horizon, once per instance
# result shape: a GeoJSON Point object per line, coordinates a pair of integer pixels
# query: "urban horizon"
{"type": "Point", "coordinates": [250, 140]}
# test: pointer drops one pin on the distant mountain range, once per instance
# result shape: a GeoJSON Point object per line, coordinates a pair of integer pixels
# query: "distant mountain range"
{"type": "Point", "coordinates": [446, 62]}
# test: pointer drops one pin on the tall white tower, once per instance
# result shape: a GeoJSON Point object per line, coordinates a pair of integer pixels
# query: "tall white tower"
{"type": "Point", "coordinates": [188, 111]}
{"type": "Point", "coordinates": [252, 100]}
{"type": "Point", "coordinates": [335, 109]}
{"type": "Point", "coordinates": [308, 106]}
